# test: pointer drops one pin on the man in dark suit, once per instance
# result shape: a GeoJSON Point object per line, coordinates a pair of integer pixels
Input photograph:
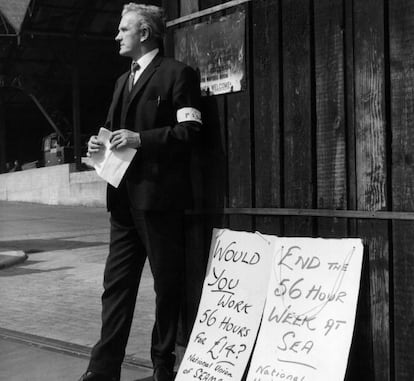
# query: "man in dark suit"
{"type": "Point", "coordinates": [155, 109]}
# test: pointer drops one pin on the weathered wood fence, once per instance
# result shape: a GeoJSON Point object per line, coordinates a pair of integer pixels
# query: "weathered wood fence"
{"type": "Point", "coordinates": [319, 144]}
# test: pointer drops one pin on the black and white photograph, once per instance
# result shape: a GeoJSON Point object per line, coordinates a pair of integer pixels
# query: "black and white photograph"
{"type": "Point", "coordinates": [206, 190]}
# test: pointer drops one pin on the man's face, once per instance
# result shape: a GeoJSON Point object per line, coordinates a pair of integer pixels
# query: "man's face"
{"type": "Point", "coordinates": [129, 36]}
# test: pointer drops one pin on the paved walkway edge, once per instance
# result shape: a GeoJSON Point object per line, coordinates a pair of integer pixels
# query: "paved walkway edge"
{"type": "Point", "coordinates": [10, 258]}
{"type": "Point", "coordinates": [65, 347]}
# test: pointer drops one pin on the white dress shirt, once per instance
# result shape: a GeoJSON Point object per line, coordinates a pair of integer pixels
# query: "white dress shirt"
{"type": "Point", "coordinates": [143, 62]}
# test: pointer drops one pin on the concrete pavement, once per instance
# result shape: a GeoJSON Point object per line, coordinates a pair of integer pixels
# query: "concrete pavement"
{"type": "Point", "coordinates": [54, 296]}
{"type": "Point", "coordinates": [11, 258]}
{"type": "Point", "coordinates": [25, 361]}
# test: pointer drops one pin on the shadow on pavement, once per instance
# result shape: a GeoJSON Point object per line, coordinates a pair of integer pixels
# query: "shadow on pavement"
{"type": "Point", "coordinates": [32, 246]}
{"type": "Point", "coordinates": [20, 270]}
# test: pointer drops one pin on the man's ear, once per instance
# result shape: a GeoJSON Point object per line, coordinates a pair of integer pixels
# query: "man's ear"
{"type": "Point", "coordinates": [145, 33]}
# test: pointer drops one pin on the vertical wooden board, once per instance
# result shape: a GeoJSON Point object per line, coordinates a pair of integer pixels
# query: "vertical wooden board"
{"type": "Point", "coordinates": [239, 157]}
{"type": "Point", "coordinates": [204, 4]}
{"type": "Point", "coordinates": [403, 244]}
{"type": "Point", "coordinates": [214, 152]}
{"type": "Point", "coordinates": [332, 228]}
{"type": "Point", "coordinates": [360, 361]}
{"type": "Point", "coordinates": [266, 90]}
{"type": "Point", "coordinates": [350, 112]}
{"type": "Point", "coordinates": [188, 6]}
{"type": "Point", "coordinates": [330, 114]}
{"type": "Point", "coordinates": [298, 227]}
{"type": "Point", "coordinates": [297, 94]}
{"type": "Point", "coordinates": [370, 124]}
{"type": "Point", "coordinates": [402, 104]}
{"type": "Point", "coordinates": [401, 24]}
{"type": "Point", "coordinates": [370, 105]}
{"type": "Point", "coordinates": [214, 163]}
{"type": "Point", "coordinates": [241, 223]}
{"type": "Point", "coordinates": [172, 9]}
{"type": "Point", "coordinates": [376, 241]}
{"type": "Point", "coordinates": [239, 145]}
{"type": "Point", "coordinates": [272, 225]}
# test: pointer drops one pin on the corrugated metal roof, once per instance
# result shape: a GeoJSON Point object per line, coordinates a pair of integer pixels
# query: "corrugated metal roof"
{"type": "Point", "coordinates": [14, 12]}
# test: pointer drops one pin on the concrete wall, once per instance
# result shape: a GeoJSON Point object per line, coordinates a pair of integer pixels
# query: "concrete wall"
{"type": "Point", "coordinates": [56, 185]}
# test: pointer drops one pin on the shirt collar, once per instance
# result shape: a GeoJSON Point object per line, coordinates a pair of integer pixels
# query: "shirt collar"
{"type": "Point", "coordinates": [147, 58]}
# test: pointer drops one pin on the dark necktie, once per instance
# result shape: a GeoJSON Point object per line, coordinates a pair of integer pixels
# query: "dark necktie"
{"type": "Point", "coordinates": [134, 67]}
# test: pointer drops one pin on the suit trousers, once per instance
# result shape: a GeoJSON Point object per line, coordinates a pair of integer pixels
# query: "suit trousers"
{"type": "Point", "coordinates": [136, 235]}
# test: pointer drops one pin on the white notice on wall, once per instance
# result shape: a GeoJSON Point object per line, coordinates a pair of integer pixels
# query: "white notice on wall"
{"type": "Point", "coordinates": [309, 315]}
{"type": "Point", "coordinates": [231, 307]}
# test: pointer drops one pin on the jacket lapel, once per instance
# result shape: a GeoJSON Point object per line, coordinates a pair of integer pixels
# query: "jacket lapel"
{"type": "Point", "coordinates": [119, 88]}
{"type": "Point", "coordinates": [116, 100]}
{"type": "Point", "coordinates": [145, 76]}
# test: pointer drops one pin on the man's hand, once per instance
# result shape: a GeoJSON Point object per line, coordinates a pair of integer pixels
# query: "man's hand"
{"type": "Point", "coordinates": [125, 138]}
{"type": "Point", "coordinates": [94, 145]}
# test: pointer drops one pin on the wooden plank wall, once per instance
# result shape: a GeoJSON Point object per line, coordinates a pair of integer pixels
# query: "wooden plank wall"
{"type": "Point", "coordinates": [401, 31]}
{"type": "Point", "coordinates": [371, 169]}
{"type": "Point", "coordinates": [324, 123]}
{"type": "Point", "coordinates": [267, 90]}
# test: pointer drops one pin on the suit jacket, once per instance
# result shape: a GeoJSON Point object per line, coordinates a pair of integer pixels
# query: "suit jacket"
{"type": "Point", "coordinates": [159, 175]}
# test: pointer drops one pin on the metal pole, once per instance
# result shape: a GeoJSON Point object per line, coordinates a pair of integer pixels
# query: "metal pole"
{"type": "Point", "coordinates": [45, 114]}
{"type": "Point", "coordinates": [2, 137]}
{"type": "Point", "coordinates": [76, 114]}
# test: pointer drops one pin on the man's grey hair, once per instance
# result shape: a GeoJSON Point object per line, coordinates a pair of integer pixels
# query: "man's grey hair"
{"type": "Point", "coordinates": [152, 17]}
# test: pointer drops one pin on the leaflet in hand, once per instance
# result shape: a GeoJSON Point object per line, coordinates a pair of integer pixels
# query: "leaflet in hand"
{"type": "Point", "coordinates": [109, 164]}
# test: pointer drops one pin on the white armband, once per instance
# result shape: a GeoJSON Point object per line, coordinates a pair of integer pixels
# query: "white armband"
{"type": "Point", "coordinates": [188, 114]}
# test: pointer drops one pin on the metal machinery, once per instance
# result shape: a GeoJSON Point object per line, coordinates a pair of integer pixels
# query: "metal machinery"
{"type": "Point", "coordinates": [54, 150]}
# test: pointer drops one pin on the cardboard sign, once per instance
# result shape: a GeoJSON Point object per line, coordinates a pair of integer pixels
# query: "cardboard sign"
{"type": "Point", "coordinates": [231, 307]}
{"type": "Point", "coordinates": [309, 315]}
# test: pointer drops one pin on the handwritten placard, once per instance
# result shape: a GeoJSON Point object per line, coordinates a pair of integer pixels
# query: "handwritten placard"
{"type": "Point", "coordinates": [309, 315]}
{"type": "Point", "coordinates": [230, 309]}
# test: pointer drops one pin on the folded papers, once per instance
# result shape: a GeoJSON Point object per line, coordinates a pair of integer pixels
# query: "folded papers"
{"type": "Point", "coordinates": [111, 165]}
